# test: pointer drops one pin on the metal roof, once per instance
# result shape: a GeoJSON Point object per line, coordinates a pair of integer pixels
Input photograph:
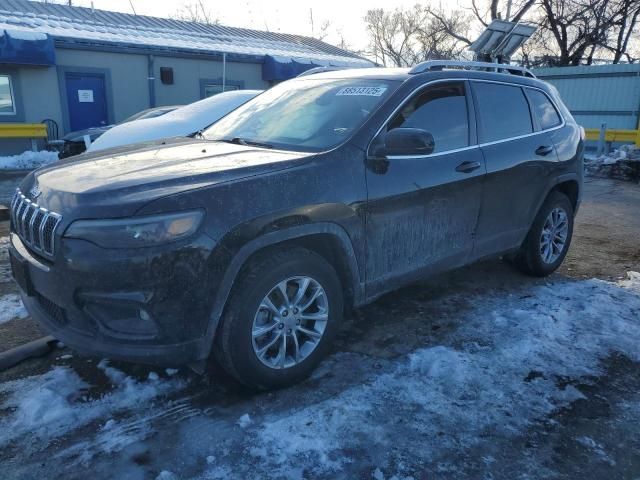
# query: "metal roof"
{"type": "Point", "coordinates": [86, 25]}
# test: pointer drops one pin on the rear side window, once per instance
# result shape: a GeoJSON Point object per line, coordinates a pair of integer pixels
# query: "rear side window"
{"type": "Point", "coordinates": [543, 109]}
{"type": "Point", "coordinates": [441, 110]}
{"type": "Point", "coordinates": [503, 111]}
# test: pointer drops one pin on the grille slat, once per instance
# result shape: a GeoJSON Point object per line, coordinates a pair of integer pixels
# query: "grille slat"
{"type": "Point", "coordinates": [36, 226]}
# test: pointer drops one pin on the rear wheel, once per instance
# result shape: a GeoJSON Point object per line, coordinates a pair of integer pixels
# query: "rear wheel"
{"type": "Point", "coordinates": [280, 319]}
{"type": "Point", "coordinates": [548, 241]}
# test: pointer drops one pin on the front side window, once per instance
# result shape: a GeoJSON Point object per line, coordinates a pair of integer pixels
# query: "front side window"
{"type": "Point", "coordinates": [503, 111]}
{"type": "Point", "coordinates": [7, 101]}
{"type": "Point", "coordinates": [440, 110]}
{"type": "Point", "coordinates": [304, 115]}
{"type": "Point", "coordinates": [543, 109]}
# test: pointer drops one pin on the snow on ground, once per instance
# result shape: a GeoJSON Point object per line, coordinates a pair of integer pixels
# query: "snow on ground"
{"type": "Point", "coordinates": [501, 370]}
{"type": "Point", "coordinates": [28, 160]}
{"type": "Point", "coordinates": [11, 307]}
{"type": "Point", "coordinates": [47, 406]}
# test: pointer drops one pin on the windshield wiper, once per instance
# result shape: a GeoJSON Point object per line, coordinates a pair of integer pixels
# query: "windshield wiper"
{"type": "Point", "coordinates": [242, 141]}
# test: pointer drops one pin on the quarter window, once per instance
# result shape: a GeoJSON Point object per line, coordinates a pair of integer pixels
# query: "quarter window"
{"type": "Point", "coordinates": [543, 109]}
{"type": "Point", "coordinates": [503, 111]}
{"type": "Point", "coordinates": [7, 101]}
{"type": "Point", "coordinates": [440, 110]}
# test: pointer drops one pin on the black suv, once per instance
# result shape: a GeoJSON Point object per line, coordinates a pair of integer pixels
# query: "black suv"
{"type": "Point", "coordinates": [320, 194]}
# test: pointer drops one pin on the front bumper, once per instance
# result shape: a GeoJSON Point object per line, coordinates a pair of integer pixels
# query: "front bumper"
{"type": "Point", "coordinates": [147, 305]}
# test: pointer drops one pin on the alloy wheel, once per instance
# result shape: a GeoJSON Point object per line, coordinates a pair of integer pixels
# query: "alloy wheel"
{"type": "Point", "coordinates": [290, 322]}
{"type": "Point", "coordinates": [553, 239]}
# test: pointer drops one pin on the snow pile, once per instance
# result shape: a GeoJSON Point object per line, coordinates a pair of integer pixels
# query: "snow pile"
{"type": "Point", "coordinates": [11, 307]}
{"type": "Point", "coordinates": [180, 122]}
{"type": "Point", "coordinates": [623, 163]}
{"type": "Point", "coordinates": [28, 160]}
{"type": "Point", "coordinates": [47, 406]}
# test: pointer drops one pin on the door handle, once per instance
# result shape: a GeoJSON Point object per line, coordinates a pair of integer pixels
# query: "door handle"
{"type": "Point", "coordinates": [468, 167]}
{"type": "Point", "coordinates": [544, 150]}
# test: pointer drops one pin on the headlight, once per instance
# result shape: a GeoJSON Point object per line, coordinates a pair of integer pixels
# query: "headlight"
{"type": "Point", "coordinates": [137, 231]}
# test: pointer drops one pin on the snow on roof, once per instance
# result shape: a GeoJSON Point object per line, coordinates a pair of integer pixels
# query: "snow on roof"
{"type": "Point", "coordinates": [83, 25]}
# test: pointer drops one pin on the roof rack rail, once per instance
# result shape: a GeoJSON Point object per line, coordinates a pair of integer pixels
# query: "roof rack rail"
{"type": "Point", "coordinates": [436, 65]}
{"type": "Point", "coordinates": [313, 71]}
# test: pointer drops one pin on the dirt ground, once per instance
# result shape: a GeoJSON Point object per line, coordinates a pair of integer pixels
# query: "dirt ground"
{"type": "Point", "coordinates": [606, 242]}
{"type": "Point", "coordinates": [606, 245]}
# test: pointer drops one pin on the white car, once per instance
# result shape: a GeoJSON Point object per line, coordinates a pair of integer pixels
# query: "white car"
{"type": "Point", "coordinates": [181, 122]}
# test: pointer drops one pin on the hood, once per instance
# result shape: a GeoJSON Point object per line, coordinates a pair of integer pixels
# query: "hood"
{"type": "Point", "coordinates": [78, 135]}
{"type": "Point", "coordinates": [118, 182]}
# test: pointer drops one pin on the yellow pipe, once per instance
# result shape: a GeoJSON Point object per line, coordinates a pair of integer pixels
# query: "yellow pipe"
{"type": "Point", "coordinates": [23, 130]}
{"type": "Point", "coordinates": [626, 136]}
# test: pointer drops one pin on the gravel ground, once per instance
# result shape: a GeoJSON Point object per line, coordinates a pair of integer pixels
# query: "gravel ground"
{"type": "Point", "coordinates": [593, 434]}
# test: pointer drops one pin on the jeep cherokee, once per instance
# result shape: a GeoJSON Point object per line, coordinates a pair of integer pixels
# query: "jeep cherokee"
{"type": "Point", "coordinates": [321, 194]}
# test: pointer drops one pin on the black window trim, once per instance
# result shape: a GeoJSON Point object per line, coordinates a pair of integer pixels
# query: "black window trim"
{"type": "Point", "coordinates": [532, 121]}
{"type": "Point", "coordinates": [475, 122]}
{"type": "Point", "coordinates": [534, 118]}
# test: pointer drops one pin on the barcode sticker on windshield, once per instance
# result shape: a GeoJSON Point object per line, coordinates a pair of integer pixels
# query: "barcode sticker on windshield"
{"type": "Point", "coordinates": [364, 91]}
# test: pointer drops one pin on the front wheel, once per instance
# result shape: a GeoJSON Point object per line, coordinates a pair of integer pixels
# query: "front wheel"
{"type": "Point", "coordinates": [548, 241]}
{"type": "Point", "coordinates": [280, 319]}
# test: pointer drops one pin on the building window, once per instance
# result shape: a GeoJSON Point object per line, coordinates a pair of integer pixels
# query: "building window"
{"type": "Point", "coordinates": [213, 89]}
{"type": "Point", "coordinates": [7, 99]}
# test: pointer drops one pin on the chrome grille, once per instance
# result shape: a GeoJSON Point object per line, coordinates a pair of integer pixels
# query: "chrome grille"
{"type": "Point", "coordinates": [36, 226]}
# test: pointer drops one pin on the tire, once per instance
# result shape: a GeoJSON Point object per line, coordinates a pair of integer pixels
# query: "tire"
{"type": "Point", "coordinates": [246, 313]}
{"type": "Point", "coordinates": [532, 258]}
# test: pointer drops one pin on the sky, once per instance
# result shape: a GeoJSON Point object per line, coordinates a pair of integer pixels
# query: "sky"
{"type": "Point", "coordinates": [276, 15]}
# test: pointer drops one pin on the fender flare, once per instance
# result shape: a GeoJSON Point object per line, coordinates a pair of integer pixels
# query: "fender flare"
{"type": "Point", "coordinates": [246, 251]}
{"type": "Point", "coordinates": [557, 181]}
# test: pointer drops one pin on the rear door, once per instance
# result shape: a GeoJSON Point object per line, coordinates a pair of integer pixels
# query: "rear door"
{"type": "Point", "coordinates": [87, 102]}
{"type": "Point", "coordinates": [520, 157]}
{"type": "Point", "coordinates": [422, 210]}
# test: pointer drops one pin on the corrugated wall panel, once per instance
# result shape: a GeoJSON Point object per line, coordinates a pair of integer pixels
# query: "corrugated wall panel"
{"type": "Point", "coordinates": [599, 94]}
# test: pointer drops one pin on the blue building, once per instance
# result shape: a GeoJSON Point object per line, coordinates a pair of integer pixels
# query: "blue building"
{"type": "Point", "coordinates": [82, 67]}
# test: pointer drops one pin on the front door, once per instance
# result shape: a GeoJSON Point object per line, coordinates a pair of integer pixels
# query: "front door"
{"type": "Point", "coordinates": [87, 101]}
{"type": "Point", "coordinates": [423, 210]}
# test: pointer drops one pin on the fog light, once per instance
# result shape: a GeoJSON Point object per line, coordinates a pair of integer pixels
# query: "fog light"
{"type": "Point", "coordinates": [122, 320]}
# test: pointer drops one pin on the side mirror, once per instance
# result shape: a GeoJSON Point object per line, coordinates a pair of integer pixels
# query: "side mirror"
{"type": "Point", "coordinates": [408, 141]}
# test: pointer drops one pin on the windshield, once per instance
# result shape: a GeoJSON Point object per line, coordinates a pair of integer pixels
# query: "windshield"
{"type": "Point", "coordinates": [304, 115]}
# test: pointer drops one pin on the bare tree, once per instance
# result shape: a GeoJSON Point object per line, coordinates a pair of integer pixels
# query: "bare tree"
{"type": "Point", "coordinates": [195, 12]}
{"type": "Point", "coordinates": [405, 37]}
{"type": "Point", "coordinates": [322, 30]}
{"type": "Point", "coordinates": [574, 32]}
{"type": "Point", "coordinates": [628, 15]}
{"type": "Point", "coordinates": [393, 35]}
{"type": "Point", "coordinates": [449, 22]}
